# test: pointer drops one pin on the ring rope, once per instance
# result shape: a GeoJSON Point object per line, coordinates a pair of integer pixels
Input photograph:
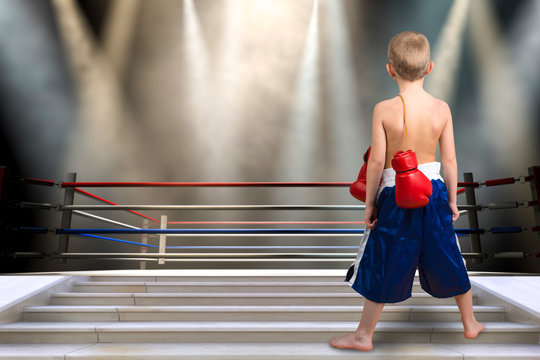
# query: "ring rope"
{"type": "Point", "coordinates": [249, 231]}
{"type": "Point", "coordinates": [226, 232]}
{"type": "Point", "coordinates": [506, 230]}
{"type": "Point", "coordinates": [209, 231]}
{"type": "Point", "coordinates": [264, 222]}
{"type": "Point", "coordinates": [212, 207]}
{"type": "Point", "coordinates": [205, 184]}
{"type": "Point", "coordinates": [262, 247]}
{"type": "Point", "coordinates": [58, 207]}
{"type": "Point", "coordinates": [226, 256]}
{"type": "Point", "coordinates": [92, 196]}
{"type": "Point", "coordinates": [95, 217]}
{"type": "Point", "coordinates": [117, 240]}
{"type": "Point", "coordinates": [42, 182]}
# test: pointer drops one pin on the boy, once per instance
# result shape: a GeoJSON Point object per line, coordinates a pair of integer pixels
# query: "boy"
{"type": "Point", "coordinates": [398, 240]}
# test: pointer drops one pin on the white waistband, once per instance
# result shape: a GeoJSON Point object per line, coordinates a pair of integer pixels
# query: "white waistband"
{"type": "Point", "coordinates": [431, 170]}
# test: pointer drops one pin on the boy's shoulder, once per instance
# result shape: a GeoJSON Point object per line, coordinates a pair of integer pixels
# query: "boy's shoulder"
{"type": "Point", "coordinates": [386, 107]}
{"type": "Point", "coordinates": [388, 104]}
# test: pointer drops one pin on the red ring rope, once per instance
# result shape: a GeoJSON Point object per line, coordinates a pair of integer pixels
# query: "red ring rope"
{"type": "Point", "coordinates": [496, 182]}
{"type": "Point", "coordinates": [469, 184]}
{"type": "Point", "coordinates": [226, 184]}
{"type": "Point", "coordinates": [43, 182]}
{"type": "Point", "coordinates": [204, 184]}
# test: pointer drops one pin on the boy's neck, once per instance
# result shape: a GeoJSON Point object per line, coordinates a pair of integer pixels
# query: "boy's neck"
{"type": "Point", "coordinates": [410, 86]}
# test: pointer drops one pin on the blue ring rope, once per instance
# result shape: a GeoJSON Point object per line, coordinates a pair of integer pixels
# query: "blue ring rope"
{"type": "Point", "coordinates": [118, 240]}
{"type": "Point", "coordinates": [506, 230]}
{"type": "Point", "coordinates": [461, 232]}
{"type": "Point", "coordinates": [220, 247]}
{"type": "Point", "coordinates": [210, 231]}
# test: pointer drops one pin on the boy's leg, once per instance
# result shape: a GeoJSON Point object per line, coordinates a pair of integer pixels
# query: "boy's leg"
{"type": "Point", "coordinates": [441, 267]}
{"type": "Point", "coordinates": [465, 305]}
{"type": "Point", "coordinates": [361, 339]}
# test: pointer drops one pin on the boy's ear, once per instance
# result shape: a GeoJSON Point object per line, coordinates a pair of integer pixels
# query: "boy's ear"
{"type": "Point", "coordinates": [431, 66]}
{"type": "Point", "coordinates": [390, 71]}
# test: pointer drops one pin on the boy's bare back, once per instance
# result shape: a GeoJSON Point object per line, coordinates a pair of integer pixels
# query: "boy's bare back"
{"type": "Point", "coordinates": [429, 121]}
{"type": "Point", "coordinates": [426, 119]}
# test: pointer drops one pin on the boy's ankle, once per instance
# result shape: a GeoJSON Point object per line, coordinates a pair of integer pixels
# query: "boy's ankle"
{"type": "Point", "coordinates": [469, 321]}
{"type": "Point", "coordinates": [362, 334]}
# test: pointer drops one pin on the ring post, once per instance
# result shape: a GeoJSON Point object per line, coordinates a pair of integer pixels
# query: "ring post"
{"type": "Point", "coordinates": [163, 240]}
{"type": "Point", "coordinates": [144, 240]}
{"type": "Point", "coordinates": [476, 247]}
{"type": "Point", "coordinates": [535, 187]}
{"type": "Point", "coordinates": [63, 241]}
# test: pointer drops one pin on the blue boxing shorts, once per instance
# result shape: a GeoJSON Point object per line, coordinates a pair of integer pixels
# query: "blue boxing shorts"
{"type": "Point", "coordinates": [406, 239]}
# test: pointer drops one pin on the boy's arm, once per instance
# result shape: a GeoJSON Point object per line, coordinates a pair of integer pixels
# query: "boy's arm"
{"type": "Point", "coordinates": [448, 160]}
{"type": "Point", "coordinates": [377, 157]}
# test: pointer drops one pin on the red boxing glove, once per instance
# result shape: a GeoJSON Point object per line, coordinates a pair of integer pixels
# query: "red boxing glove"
{"type": "Point", "coordinates": [358, 188]}
{"type": "Point", "coordinates": [413, 188]}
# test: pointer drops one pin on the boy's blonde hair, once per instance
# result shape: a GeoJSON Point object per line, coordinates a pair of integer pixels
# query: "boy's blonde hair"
{"type": "Point", "coordinates": [409, 55]}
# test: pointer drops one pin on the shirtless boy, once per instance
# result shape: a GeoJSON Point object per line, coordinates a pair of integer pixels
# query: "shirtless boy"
{"type": "Point", "coordinates": [397, 241]}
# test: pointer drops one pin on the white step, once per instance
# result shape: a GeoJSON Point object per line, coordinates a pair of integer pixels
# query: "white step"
{"type": "Point", "coordinates": [226, 276]}
{"type": "Point", "coordinates": [266, 351]}
{"type": "Point", "coordinates": [253, 313]}
{"type": "Point", "coordinates": [176, 299]}
{"type": "Point", "coordinates": [230, 332]}
{"type": "Point", "coordinates": [216, 286]}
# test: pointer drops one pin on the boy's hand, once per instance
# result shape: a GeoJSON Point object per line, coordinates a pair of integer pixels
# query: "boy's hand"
{"type": "Point", "coordinates": [370, 216]}
{"type": "Point", "coordinates": [455, 211]}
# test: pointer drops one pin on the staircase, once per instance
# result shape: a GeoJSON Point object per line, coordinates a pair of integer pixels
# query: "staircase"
{"type": "Point", "coordinates": [266, 317]}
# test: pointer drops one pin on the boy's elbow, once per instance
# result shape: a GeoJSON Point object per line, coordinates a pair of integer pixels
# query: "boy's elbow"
{"type": "Point", "coordinates": [449, 161]}
{"type": "Point", "coordinates": [375, 163]}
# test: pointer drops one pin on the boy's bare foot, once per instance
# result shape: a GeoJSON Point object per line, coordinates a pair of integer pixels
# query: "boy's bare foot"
{"type": "Point", "coordinates": [473, 330]}
{"type": "Point", "coordinates": [350, 341]}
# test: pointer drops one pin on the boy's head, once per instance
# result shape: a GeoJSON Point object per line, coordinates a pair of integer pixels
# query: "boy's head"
{"type": "Point", "coordinates": [409, 55]}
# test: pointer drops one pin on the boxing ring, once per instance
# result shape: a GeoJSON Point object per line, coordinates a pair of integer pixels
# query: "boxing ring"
{"type": "Point", "coordinates": [160, 243]}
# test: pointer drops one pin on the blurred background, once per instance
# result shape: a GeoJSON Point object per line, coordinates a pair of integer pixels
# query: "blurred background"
{"type": "Point", "coordinates": [253, 90]}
